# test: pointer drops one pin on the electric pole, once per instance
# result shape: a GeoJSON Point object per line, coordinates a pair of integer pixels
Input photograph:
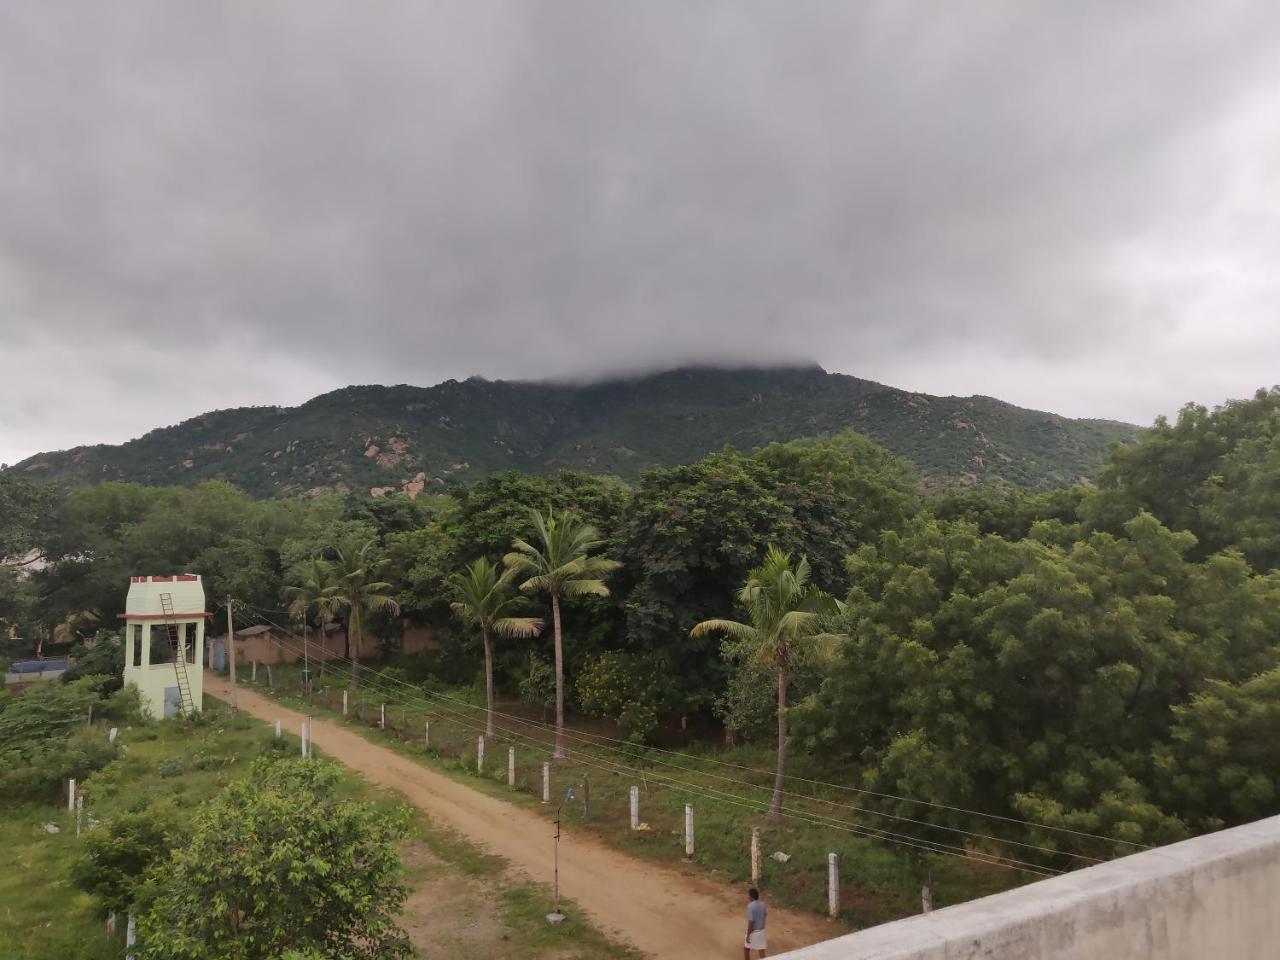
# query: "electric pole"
{"type": "Point", "coordinates": [231, 653]}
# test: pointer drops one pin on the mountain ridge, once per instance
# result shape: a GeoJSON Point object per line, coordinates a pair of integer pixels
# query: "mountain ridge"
{"type": "Point", "coordinates": [372, 438]}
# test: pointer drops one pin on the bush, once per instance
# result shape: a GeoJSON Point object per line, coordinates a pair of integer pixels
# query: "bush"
{"type": "Point", "coordinates": [625, 687]}
{"type": "Point", "coordinates": [104, 658]}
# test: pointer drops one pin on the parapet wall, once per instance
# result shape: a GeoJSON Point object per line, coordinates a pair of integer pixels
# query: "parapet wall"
{"type": "Point", "coordinates": [1215, 897]}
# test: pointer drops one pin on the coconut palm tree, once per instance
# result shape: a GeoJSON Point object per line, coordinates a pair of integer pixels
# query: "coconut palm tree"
{"type": "Point", "coordinates": [317, 583]}
{"type": "Point", "coordinates": [485, 596]}
{"type": "Point", "coordinates": [786, 612]}
{"type": "Point", "coordinates": [356, 591]}
{"type": "Point", "coordinates": [558, 561]}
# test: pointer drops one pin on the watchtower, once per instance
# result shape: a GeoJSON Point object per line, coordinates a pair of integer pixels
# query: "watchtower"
{"type": "Point", "coordinates": [164, 643]}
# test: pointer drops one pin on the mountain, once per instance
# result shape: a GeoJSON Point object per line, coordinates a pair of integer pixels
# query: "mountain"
{"type": "Point", "coordinates": [374, 438]}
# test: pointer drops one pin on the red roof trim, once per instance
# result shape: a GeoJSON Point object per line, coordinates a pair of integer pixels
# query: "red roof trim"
{"type": "Point", "coordinates": [163, 616]}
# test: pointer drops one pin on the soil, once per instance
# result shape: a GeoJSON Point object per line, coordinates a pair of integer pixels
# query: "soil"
{"type": "Point", "coordinates": [663, 911]}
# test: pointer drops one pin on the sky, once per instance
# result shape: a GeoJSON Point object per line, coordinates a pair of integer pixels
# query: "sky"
{"type": "Point", "coordinates": [1071, 206]}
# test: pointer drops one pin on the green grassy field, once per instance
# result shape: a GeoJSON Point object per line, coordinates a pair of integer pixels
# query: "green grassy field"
{"type": "Point", "coordinates": [880, 881]}
{"type": "Point", "coordinates": [463, 903]}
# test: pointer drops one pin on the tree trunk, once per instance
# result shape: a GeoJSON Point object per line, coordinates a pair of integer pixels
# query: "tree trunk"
{"type": "Point", "coordinates": [555, 619]}
{"type": "Point", "coordinates": [353, 641]}
{"type": "Point", "coordinates": [488, 679]}
{"type": "Point", "coordinates": [775, 808]}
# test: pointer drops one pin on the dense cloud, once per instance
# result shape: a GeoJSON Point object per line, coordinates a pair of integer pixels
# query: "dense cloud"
{"type": "Point", "coordinates": [1073, 206]}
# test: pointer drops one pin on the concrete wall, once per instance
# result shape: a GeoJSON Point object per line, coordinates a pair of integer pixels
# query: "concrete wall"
{"type": "Point", "coordinates": [1215, 897]}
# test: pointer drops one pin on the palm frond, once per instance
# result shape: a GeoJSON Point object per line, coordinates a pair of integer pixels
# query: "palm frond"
{"type": "Point", "coordinates": [730, 628]}
{"type": "Point", "coordinates": [520, 627]}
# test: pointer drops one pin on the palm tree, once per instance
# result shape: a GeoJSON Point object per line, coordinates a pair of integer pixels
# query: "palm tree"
{"type": "Point", "coordinates": [318, 582]}
{"type": "Point", "coordinates": [484, 596]}
{"type": "Point", "coordinates": [786, 613]}
{"type": "Point", "coordinates": [558, 562]}
{"type": "Point", "coordinates": [357, 592]}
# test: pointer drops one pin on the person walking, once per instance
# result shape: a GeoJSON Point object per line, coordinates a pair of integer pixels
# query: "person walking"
{"type": "Point", "coordinates": [756, 915]}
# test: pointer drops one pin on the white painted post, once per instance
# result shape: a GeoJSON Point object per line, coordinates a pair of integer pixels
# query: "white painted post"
{"type": "Point", "coordinates": [71, 794]}
{"type": "Point", "coordinates": [480, 754]}
{"type": "Point", "coordinates": [303, 737]}
{"type": "Point", "coordinates": [269, 683]}
{"type": "Point", "coordinates": [111, 922]}
{"type": "Point", "coordinates": [253, 676]}
{"type": "Point", "coordinates": [926, 900]}
{"type": "Point", "coordinates": [111, 737]}
{"type": "Point", "coordinates": [755, 856]}
{"type": "Point", "coordinates": [344, 703]}
{"type": "Point", "coordinates": [382, 720]}
{"type": "Point", "coordinates": [130, 936]}
{"type": "Point", "coordinates": [635, 808]}
{"type": "Point", "coordinates": [511, 766]}
{"type": "Point", "coordinates": [426, 733]}
{"type": "Point", "coordinates": [278, 730]}
{"type": "Point", "coordinates": [79, 812]}
{"type": "Point", "coordinates": [688, 831]}
{"type": "Point", "coordinates": [546, 782]}
{"type": "Point", "coordinates": [833, 886]}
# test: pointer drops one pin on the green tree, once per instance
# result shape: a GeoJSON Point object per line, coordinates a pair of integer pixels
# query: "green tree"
{"type": "Point", "coordinates": [278, 862]}
{"type": "Point", "coordinates": [315, 583]}
{"type": "Point", "coordinates": [357, 593]}
{"type": "Point", "coordinates": [119, 856]}
{"type": "Point", "coordinates": [786, 614]}
{"type": "Point", "coordinates": [559, 561]}
{"type": "Point", "coordinates": [486, 597]}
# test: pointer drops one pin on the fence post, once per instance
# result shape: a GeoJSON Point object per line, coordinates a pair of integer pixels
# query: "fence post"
{"type": "Point", "coordinates": [382, 718]}
{"type": "Point", "coordinates": [111, 737]}
{"type": "Point", "coordinates": [426, 733]}
{"type": "Point", "coordinates": [926, 900]}
{"type": "Point", "coordinates": [586, 796]}
{"type": "Point", "coordinates": [303, 733]}
{"type": "Point", "coordinates": [253, 674]}
{"type": "Point", "coordinates": [130, 936]}
{"type": "Point", "coordinates": [511, 766]}
{"type": "Point", "coordinates": [71, 794]}
{"type": "Point", "coordinates": [480, 754]}
{"type": "Point", "coordinates": [635, 808]}
{"type": "Point", "coordinates": [688, 831]}
{"type": "Point", "coordinates": [344, 703]}
{"type": "Point", "coordinates": [755, 856]}
{"type": "Point", "coordinates": [546, 782]}
{"type": "Point", "coordinates": [833, 886]}
{"type": "Point", "coordinates": [79, 812]}
{"type": "Point", "coordinates": [278, 731]}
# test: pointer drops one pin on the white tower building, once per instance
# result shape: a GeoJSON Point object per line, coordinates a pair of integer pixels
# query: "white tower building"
{"type": "Point", "coordinates": [164, 643]}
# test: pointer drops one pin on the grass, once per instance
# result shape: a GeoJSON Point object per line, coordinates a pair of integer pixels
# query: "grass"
{"type": "Point", "coordinates": [879, 882]}
{"type": "Point", "coordinates": [462, 897]}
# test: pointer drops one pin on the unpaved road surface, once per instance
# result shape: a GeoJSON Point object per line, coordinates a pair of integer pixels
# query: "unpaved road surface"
{"type": "Point", "coordinates": [663, 911]}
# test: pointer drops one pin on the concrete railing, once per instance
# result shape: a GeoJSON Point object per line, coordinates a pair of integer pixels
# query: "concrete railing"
{"type": "Point", "coordinates": [1216, 897]}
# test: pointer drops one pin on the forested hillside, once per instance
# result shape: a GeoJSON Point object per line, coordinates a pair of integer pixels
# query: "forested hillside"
{"type": "Point", "coordinates": [409, 439]}
{"type": "Point", "coordinates": [1098, 659]}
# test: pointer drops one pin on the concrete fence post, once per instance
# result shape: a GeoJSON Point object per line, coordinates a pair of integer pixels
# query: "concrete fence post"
{"type": "Point", "coordinates": [833, 886]}
{"type": "Point", "coordinates": [926, 900]}
{"type": "Point", "coordinates": [71, 794]}
{"type": "Point", "coordinates": [79, 812]}
{"type": "Point", "coordinates": [269, 683]}
{"type": "Point", "coordinates": [426, 733]}
{"type": "Point", "coordinates": [382, 718]}
{"type": "Point", "coordinates": [278, 730]}
{"type": "Point", "coordinates": [546, 782]}
{"type": "Point", "coordinates": [344, 703]}
{"type": "Point", "coordinates": [111, 736]}
{"type": "Point", "coordinates": [511, 766]}
{"type": "Point", "coordinates": [480, 754]}
{"type": "Point", "coordinates": [755, 856]}
{"type": "Point", "coordinates": [303, 734]}
{"type": "Point", "coordinates": [635, 808]}
{"type": "Point", "coordinates": [130, 936]}
{"type": "Point", "coordinates": [253, 673]}
{"type": "Point", "coordinates": [586, 796]}
{"type": "Point", "coordinates": [688, 831]}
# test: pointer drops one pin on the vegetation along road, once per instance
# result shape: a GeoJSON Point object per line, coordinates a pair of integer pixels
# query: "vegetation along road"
{"type": "Point", "coordinates": [662, 911]}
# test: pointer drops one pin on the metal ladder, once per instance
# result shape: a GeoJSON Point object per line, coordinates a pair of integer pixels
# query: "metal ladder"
{"type": "Point", "coordinates": [179, 655]}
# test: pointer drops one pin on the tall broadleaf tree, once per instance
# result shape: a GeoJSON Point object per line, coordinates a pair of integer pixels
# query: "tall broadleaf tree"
{"type": "Point", "coordinates": [558, 560]}
{"type": "Point", "coordinates": [486, 597]}
{"type": "Point", "coordinates": [786, 614]}
{"type": "Point", "coordinates": [356, 592]}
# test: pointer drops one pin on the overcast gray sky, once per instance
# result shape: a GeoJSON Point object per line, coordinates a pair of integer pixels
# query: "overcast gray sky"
{"type": "Point", "coordinates": [1073, 206]}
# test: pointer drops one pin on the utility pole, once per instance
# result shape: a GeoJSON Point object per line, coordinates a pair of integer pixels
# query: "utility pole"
{"type": "Point", "coordinates": [231, 653]}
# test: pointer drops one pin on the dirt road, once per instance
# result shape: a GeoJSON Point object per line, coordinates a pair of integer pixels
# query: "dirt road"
{"type": "Point", "coordinates": [665, 912]}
